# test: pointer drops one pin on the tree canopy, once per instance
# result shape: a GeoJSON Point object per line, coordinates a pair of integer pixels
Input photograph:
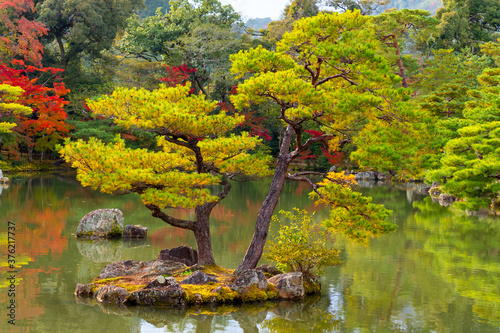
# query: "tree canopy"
{"type": "Point", "coordinates": [77, 28]}
{"type": "Point", "coordinates": [195, 152]}
{"type": "Point", "coordinates": [327, 73]}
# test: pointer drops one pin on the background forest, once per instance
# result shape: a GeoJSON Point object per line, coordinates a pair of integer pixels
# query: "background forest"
{"type": "Point", "coordinates": [57, 56]}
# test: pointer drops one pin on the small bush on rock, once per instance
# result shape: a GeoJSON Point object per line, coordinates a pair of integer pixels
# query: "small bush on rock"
{"type": "Point", "coordinates": [302, 245]}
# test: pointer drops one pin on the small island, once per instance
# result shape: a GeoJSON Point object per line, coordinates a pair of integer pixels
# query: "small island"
{"type": "Point", "coordinates": [172, 283]}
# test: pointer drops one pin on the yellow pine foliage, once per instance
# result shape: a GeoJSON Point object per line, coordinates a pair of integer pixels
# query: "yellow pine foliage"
{"type": "Point", "coordinates": [169, 108]}
{"type": "Point", "coordinates": [8, 95]}
{"type": "Point", "coordinates": [195, 149]}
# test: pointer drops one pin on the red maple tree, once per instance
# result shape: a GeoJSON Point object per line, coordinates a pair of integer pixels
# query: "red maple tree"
{"type": "Point", "coordinates": [19, 36]}
{"type": "Point", "coordinates": [46, 125]}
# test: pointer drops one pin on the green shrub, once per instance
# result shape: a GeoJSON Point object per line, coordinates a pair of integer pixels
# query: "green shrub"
{"type": "Point", "coordinates": [302, 245]}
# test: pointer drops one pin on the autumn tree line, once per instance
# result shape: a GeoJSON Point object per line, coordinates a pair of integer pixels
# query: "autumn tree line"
{"type": "Point", "coordinates": [176, 104]}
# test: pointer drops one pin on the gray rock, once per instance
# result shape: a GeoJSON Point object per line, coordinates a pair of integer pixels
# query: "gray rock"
{"type": "Point", "coordinates": [289, 285]}
{"type": "Point", "coordinates": [184, 254]}
{"type": "Point", "coordinates": [173, 296]}
{"type": "Point", "coordinates": [135, 231]}
{"type": "Point", "coordinates": [248, 278]}
{"type": "Point", "coordinates": [383, 176]}
{"type": "Point", "coordinates": [121, 268]}
{"type": "Point", "coordinates": [107, 223]}
{"type": "Point", "coordinates": [367, 175]}
{"type": "Point", "coordinates": [111, 294]}
{"type": "Point", "coordinates": [162, 282]}
{"type": "Point", "coordinates": [161, 267]}
{"type": "Point", "coordinates": [269, 270]}
{"type": "Point", "coordinates": [83, 289]}
{"type": "Point", "coordinates": [333, 168]}
{"type": "Point", "coordinates": [199, 278]}
{"type": "Point", "coordinates": [144, 269]}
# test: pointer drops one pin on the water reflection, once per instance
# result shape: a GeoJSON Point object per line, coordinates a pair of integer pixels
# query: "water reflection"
{"type": "Point", "coordinates": [438, 272]}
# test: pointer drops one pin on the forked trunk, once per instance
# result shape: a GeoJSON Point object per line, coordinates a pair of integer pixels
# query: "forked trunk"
{"type": "Point", "coordinates": [202, 235]}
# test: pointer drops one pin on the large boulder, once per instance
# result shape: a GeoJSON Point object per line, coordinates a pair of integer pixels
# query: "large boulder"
{"type": "Point", "coordinates": [135, 231]}
{"type": "Point", "coordinates": [248, 279]}
{"type": "Point", "coordinates": [289, 285]}
{"type": "Point", "coordinates": [199, 278]}
{"type": "Point", "coordinates": [184, 254]}
{"type": "Point", "coordinates": [107, 223]}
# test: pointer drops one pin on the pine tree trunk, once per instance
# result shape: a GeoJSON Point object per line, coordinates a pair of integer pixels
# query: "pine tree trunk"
{"type": "Point", "coordinates": [256, 248]}
{"type": "Point", "coordinates": [202, 235]}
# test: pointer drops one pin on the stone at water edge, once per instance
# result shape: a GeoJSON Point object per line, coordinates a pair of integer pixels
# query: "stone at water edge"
{"type": "Point", "coordinates": [107, 223]}
{"type": "Point", "coordinates": [1, 174]}
{"type": "Point", "coordinates": [249, 278]}
{"type": "Point", "coordinates": [289, 285]}
{"type": "Point", "coordinates": [111, 294]}
{"type": "Point", "coordinates": [135, 231]}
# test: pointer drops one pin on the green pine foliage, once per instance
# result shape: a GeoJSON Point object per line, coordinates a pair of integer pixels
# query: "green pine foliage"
{"type": "Point", "coordinates": [471, 162]}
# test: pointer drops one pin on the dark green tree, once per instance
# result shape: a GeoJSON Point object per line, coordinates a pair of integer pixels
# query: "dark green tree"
{"type": "Point", "coordinates": [467, 23]}
{"type": "Point", "coordinates": [198, 34]}
{"type": "Point", "coordinates": [471, 162]}
{"type": "Point", "coordinates": [83, 27]}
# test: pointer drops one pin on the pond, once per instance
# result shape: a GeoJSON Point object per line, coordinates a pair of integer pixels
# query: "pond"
{"type": "Point", "coordinates": [439, 272]}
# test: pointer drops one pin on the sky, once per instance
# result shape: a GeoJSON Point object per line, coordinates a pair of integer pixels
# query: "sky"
{"type": "Point", "coordinates": [257, 8]}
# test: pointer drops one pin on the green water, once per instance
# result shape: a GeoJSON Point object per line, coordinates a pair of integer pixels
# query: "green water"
{"type": "Point", "coordinates": [440, 272]}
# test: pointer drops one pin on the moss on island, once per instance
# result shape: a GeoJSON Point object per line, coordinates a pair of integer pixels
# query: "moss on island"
{"type": "Point", "coordinates": [154, 283]}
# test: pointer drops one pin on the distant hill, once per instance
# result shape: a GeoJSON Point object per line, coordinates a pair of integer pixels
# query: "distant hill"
{"type": "Point", "coordinates": [258, 23]}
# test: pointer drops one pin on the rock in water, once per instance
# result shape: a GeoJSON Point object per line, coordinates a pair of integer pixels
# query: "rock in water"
{"type": "Point", "coordinates": [289, 285]}
{"type": "Point", "coordinates": [107, 223]}
{"type": "Point", "coordinates": [111, 294]}
{"type": "Point", "coordinates": [135, 231]}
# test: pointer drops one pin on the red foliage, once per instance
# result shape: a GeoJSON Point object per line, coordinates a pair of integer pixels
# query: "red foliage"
{"type": "Point", "coordinates": [21, 37]}
{"type": "Point", "coordinates": [314, 133]}
{"type": "Point", "coordinates": [334, 158]}
{"type": "Point", "coordinates": [306, 155]}
{"type": "Point", "coordinates": [256, 126]}
{"type": "Point", "coordinates": [48, 116]}
{"type": "Point", "coordinates": [177, 75]}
